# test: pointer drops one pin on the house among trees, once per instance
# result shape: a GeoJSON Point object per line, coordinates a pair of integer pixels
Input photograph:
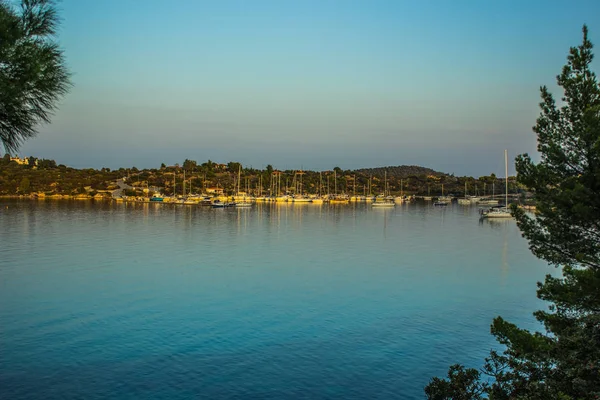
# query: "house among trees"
{"type": "Point", "coordinates": [24, 160]}
{"type": "Point", "coordinates": [214, 190]}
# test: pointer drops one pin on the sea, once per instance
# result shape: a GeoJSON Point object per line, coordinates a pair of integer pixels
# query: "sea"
{"type": "Point", "coordinates": [278, 301]}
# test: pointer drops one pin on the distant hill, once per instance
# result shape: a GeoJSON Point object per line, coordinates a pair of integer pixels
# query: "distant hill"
{"type": "Point", "coordinates": [400, 171]}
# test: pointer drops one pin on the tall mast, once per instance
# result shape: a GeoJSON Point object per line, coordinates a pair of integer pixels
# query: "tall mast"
{"type": "Point", "coordinates": [320, 183]}
{"type": "Point", "coordinates": [239, 178]}
{"type": "Point", "coordinates": [334, 182]}
{"type": "Point", "coordinates": [506, 175]}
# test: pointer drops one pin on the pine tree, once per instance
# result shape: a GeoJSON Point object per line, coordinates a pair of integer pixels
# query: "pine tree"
{"type": "Point", "coordinates": [563, 361]}
{"type": "Point", "coordinates": [33, 75]}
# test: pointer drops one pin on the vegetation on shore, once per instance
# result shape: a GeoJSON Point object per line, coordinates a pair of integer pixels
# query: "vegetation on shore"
{"type": "Point", "coordinates": [562, 361]}
{"type": "Point", "coordinates": [49, 178]}
{"type": "Point", "coordinates": [33, 73]}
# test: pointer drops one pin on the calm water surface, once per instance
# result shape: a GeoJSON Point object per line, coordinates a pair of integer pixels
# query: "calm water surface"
{"type": "Point", "coordinates": [130, 301]}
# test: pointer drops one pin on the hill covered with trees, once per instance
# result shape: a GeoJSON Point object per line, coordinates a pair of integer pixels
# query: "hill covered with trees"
{"type": "Point", "coordinates": [400, 171]}
{"type": "Point", "coordinates": [39, 176]}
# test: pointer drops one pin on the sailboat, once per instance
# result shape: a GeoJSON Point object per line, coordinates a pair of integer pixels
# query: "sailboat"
{"type": "Point", "coordinates": [337, 198]}
{"type": "Point", "coordinates": [384, 201]}
{"type": "Point", "coordinates": [319, 198]}
{"type": "Point", "coordinates": [465, 201]}
{"type": "Point", "coordinates": [299, 196]}
{"type": "Point", "coordinates": [243, 202]}
{"type": "Point", "coordinates": [442, 201]}
{"type": "Point", "coordinates": [501, 212]}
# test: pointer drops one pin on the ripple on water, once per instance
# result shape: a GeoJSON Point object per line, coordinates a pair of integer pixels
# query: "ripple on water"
{"type": "Point", "coordinates": [133, 301]}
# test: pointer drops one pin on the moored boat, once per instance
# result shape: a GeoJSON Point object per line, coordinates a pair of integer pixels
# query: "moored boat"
{"type": "Point", "coordinates": [496, 212]}
{"type": "Point", "coordinates": [222, 204]}
{"type": "Point", "coordinates": [383, 203]}
{"type": "Point", "coordinates": [500, 212]}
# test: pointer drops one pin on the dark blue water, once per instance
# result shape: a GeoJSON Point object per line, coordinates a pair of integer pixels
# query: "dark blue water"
{"type": "Point", "coordinates": [102, 300]}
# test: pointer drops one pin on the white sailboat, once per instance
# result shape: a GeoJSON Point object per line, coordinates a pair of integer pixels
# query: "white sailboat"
{"type": "Point", "coordinates": [501, 212]}
{"type": "Point", "coordinates": [384, 201]}
{"type": "Point", "coordinates": [465, 201]}
{"type": "Point", "coordinates": [442, 201]}
{"type": "Point", "coordinates": [243, 202]}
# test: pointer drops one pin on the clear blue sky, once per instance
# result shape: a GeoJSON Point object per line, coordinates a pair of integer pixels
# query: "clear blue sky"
{"type": "Point", "coordinates": [313, 84]}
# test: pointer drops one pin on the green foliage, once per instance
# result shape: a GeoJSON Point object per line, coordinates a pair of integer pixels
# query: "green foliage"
{"type": "Point", "coordinates": [24, 185]}
{"type": "Point", "coordinates": [233, 166]}
{"type": "Point", "coordinates": [462, 384]}
{"type": "Point", "coordinates": [46, 164]}
{"type": "Point", "coordinates": [33, 75]}
{"type": "Point", "coordinates": [563, 361]}
{"type": "Point", "coordinates": [189, 165]}
{"type": "Point", "coordinates": [130, 192]}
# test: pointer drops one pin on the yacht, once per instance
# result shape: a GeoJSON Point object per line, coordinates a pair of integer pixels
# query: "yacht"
{"type": "Point", "coordinates": [500, 212]}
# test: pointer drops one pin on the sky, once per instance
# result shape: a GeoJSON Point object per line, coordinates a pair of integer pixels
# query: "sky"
{"type": "Point", "coordinates": [308, 84]}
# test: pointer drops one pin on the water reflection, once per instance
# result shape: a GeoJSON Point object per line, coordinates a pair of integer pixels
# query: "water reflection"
{"type": "Point", "coordinates": [294, 296]}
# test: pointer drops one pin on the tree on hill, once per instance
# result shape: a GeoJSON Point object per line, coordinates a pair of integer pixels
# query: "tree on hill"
{"type": "Point", "coordinates": [233, 166]}
{"type": "Point", "coordinates": [562, 361]}
{"type": "Point", "coordinates": [189, 165]}
{"type": "Point", "coordinates": [24, 185]}
{"type": "Point", "coordinates": [33, 75]}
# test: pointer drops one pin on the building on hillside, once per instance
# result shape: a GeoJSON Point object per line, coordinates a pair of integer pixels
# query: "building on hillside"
{"type": "Point", "coordinates": [214, 190]}
{"type": "Point", "coordinates": [21, 161]}
{"type": "Point", "coordinates": [24, 161]}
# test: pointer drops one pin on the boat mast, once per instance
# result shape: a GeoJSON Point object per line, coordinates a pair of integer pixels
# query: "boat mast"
{"type": "Point", "coordinates": [183, 182]}
{"type": "Point", "coordinates": [506, 174]}
{"type": "Point", "coordinates": [385, 183]}
{"type": "Point", "coordinates": [239, 179]}
{"type": "Point", "coordinates": [335, 182]}
{"type": "Point", "coordinates": [320, 183]}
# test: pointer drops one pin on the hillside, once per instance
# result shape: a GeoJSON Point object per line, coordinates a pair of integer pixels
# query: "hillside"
{"type": "Point", "coordinates": [46, 177]}
{"type": "Point", "coordinates": [400, 171]}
